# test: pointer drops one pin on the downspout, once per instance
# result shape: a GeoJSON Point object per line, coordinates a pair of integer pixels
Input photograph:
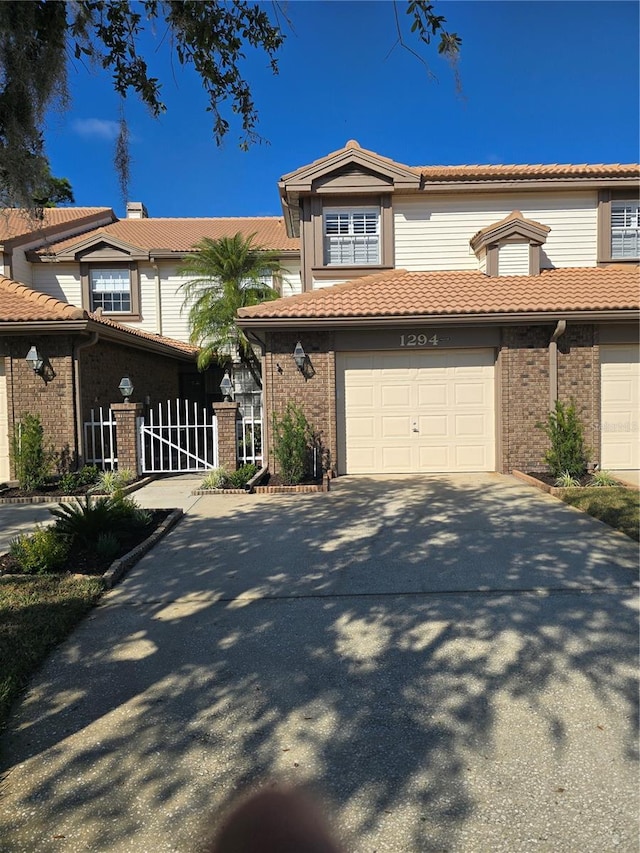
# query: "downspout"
{"type": "Point", "coordinates": [553, 362]}
{"type": "Point", "coordinates": [158, 300]}
{"type": "Point", "coordinates": [77, 400]}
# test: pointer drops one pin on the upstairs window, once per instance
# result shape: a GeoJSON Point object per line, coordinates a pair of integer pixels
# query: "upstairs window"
{"type": "Point", "coordinates": [352, 237]}
{"type": "Point", "coordinates": [625, 229]}
{"type": "Point", "coordinates": [111, 290]}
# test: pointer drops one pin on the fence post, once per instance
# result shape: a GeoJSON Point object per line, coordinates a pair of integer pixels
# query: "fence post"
{"type": "Point", "coordinates": [226, 414]}
{"type": "Point", "coordinates": [126, 416]}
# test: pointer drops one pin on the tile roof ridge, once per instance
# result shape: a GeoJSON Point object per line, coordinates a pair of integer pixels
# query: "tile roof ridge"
{"type": "Point", "coordinates": [269, 217]}
{"type": "Point", "coordinates": [70, 312]}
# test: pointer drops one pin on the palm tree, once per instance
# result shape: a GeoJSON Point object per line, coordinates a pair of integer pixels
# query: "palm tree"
{"type": "Point", "coordinates": [225, 275]}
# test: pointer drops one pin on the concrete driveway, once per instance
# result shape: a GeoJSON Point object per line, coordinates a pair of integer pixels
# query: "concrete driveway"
{"type": "Point", "coordinates": [449, 662]}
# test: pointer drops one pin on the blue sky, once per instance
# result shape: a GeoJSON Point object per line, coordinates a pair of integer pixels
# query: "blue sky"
{"type": "Point", "coordinates": [543, 82]}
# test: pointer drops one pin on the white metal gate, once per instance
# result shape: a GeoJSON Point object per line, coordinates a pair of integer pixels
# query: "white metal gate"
{"type": "Point", "coordinates": [178, 436]}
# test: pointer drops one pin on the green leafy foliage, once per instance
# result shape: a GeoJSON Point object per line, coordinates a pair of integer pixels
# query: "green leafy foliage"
{"type": "Point", "coordinates": [216, 479]}
{"type": "Point", "coordinates": [32, 462]}
{"type": "Point", "coordinates": [84, 521]}
{"type": "Point", "coordinates": [239, 479]}
{"type": "Point", "coordinates": [73, 480]}
{"type": "Point", "coordinates": [566, 481]}
{"type": "Point", "coordinates": [292, 437]}
{"type": "Point", "coordinates": [111, 481]}
{"type": "Point", "coordinates": [40, 552]}
{"type": "Point", "coordinates": [225, 275]}
{"type": "Point", "coordinates": [603, 478]}
{"type": "Point", "coordinates": [107, 546]}
{"type": "Point", "coordinates": [567, 453]}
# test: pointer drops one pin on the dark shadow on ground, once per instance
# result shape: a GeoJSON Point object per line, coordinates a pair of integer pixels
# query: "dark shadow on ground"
{"type": "Point", "coordinates": [403, 648]}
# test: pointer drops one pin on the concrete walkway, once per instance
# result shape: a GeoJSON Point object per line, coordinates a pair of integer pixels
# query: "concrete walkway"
{"type": "Point", "coordinates": [450, 661]}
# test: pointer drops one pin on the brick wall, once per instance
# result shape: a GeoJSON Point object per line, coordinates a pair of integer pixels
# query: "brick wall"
{"type": "Point", "coordinates": [28, 392]}
{"type": "Point", "coordinates": [524, 389]}
{"type": "Point", "coordinates": [102, 367]}
{"type": "Point", "coordinates": [316, 395]}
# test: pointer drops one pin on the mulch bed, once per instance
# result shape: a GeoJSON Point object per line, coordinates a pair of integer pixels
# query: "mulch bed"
{"type": "Point", "coordinates": [585, 480]}
{"type": "Point", "coordinates": [276, 480]}
{"type": "Point", "coordinates": [52, 491]}
{"type": "Point", "coordinates": [85, 562]}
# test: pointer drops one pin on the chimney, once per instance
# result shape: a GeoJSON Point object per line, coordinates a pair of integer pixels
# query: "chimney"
{"type": "Point", "coordinates": [136, 210]}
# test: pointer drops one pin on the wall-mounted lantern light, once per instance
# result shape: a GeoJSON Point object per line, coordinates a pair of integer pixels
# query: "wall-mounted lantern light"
{"type": "Point", "coordinates": [126, 388]}
{"type": "Point", "coordinates": [35, 360]}
{"type": "Point", "coordinates": [226, 386]}
{"type": "Point", "coordinates": [300, 357]}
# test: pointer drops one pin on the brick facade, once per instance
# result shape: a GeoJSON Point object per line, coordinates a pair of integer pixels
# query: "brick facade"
{"type": "Point", "coordinates": [523, 370]}
{"type": "Point", "coordinates": [126, 415]}
{"type": "Point", "coordinates": [315, 393]}
{"type": "Point", "coordinates": [227, 415]}
{"type": "Point", "coordinates": [52, 400]}
{"type": "Point", "coordinates": [102, 367]}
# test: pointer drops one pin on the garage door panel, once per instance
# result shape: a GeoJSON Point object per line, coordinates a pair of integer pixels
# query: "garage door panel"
{"type": "Point", "coordinates": [620, 405]}
{"type": "Point", "coordinates": [422, 405]}
{"type": "Point", "coordinates": [394, 427]}
{"type": "Point", "coordinates": [435, 395]}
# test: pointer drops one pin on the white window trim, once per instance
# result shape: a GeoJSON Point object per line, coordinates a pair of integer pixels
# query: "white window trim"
{"type": "Point", "coordinates": [351, 238]}
{"type": "Point", "coordinates": [627, 234]}
{"type": "Point", "coordinates": [122, 272]}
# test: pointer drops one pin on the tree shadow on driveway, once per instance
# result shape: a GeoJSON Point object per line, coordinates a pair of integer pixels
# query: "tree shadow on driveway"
{"type": "Point", "coordinates": [449, 661]}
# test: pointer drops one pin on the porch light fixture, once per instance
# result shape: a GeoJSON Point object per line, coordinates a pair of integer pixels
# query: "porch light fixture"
{"type": "Point", "coordinates": [35, 360]}
{"type": "Point", "coordinates": [300, 357]}
{"type": "Point", "coordinates": [126, 388]}
{"type": "Point", "coordinates": [226, 386]}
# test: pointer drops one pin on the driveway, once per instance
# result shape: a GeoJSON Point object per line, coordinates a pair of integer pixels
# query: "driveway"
{"type": "Point", "coordinates": [449, 662]}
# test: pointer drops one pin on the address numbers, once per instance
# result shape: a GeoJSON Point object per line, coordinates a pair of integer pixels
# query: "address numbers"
{"type": "Point", "coordinates": [420, 340]}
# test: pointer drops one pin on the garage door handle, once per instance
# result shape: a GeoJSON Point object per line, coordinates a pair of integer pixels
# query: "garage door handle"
{"type": "Point", "coordinates": [415, 427]}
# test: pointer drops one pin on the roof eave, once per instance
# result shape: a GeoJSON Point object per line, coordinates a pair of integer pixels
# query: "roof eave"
{"type": "Point", "coordinates": [497, 318]}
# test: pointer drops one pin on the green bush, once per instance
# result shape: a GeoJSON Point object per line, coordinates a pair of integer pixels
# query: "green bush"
{"type": "Point", "coordinates": [239, 479]}
{"type": "Point", "coordinates": [41, 552]}
{"type": "Point", "coordinates": [292, 437]}
{"type": "Point", "coordinates": [216, 479]}
{"type": "Point", "coordinates": [603, 478]}
{"type": "Point", "coordinates": [32, 462]}
{"type": "Point", "coordinates": [107, 546]}
{"type": "Point", "coordinates": [72, 480]}
{"type": "Point", "coordinates": [566, 481]}
{"type": "Point", "coordinates": [110, 481]}
{"type": "Point", "coordinates": [567, 453]}
{"type": "Point", "coordinates": [85, 521]}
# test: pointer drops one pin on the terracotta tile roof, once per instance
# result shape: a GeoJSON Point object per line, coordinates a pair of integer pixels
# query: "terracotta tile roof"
{"type": "Point", "coordinates": [22, 304]}
{"type": "Point", "coordinates": [514, 217]}
{"type": "Point", "coordinates": [400, 293]}
{"type": "Point", "coordinates": [16, 223]}
{"type": "Point", "coordinates": [179, 235]}
{"type": "Point", "coordinates": [19, 303]}
{"type": "Point", "coordinates": [490, 172]}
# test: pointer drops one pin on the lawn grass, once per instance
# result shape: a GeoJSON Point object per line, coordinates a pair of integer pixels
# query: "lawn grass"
{"type": "Point", "coordinates": [36, 613]}
{"type": "Point", "coordinates": [617, 507]}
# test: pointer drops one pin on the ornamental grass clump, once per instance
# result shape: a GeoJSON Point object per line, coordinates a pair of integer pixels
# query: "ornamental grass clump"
{"type": "Point", "coordinates": [567, 453]}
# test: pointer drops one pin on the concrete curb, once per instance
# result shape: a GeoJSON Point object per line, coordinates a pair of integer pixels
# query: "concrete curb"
{"type": "Point", "coordinates": [65, 499]}
{"type": "Point", "coordinates": [119, 567]}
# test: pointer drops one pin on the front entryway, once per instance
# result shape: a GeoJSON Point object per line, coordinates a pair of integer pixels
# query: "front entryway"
{"type": "Point", "coordinates": [419, 411]}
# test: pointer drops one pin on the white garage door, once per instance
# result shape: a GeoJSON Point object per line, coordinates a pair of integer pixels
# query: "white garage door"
{"type": "Point", "coordinates": [4, 426]}
{"type": "Point", "coordinates": [419, 411]}
{"type": "Point", "coordinates": [620, 393]}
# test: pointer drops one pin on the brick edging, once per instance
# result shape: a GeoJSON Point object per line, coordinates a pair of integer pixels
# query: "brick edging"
{"type": "Point", "coordinates": [219, 492]}
{"type": "Point", "coordinates": [557, 491]}
{"type": "Point", "coordinates": [65, 499]}
{"type": "Point", "coordinates": [119, 567]}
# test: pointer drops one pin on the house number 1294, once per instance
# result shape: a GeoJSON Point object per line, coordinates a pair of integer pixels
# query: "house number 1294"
{"type": "Point", "coordinates": [418, 340]}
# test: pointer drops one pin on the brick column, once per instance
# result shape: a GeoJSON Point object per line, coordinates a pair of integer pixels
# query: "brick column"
{"type": "Point", "coordinates": [126, 415]}
{"type": "Point", "coordinates": [226, 414]}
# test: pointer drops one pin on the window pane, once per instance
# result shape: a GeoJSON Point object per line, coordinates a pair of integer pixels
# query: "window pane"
{"type": "Point", "coordinates": [625, 229]}
{"type": "Point", "coordinates": [111, 290]}
{"type": "Point", "coordinates": [352, 237]}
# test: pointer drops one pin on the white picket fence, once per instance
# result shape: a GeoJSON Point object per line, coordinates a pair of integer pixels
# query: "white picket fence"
{"type": "Point", "coordinates": [178, 436]}
{"type": "Point", "coordinates": [100, 447]}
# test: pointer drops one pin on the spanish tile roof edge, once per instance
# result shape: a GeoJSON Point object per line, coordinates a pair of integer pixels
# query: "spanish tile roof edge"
{"type": "Point", "coordinates": [66, 311]}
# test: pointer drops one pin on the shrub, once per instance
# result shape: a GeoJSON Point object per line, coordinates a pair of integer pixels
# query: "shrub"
{"type": "Point", "coordinates": [73, 480]}
{"type": "Point", "coordinates": [292, 437]}
{"type": "Point", "coordinates": [239, 479]}
{"type": "Point", "coordinates": [41, 552]}
{"type": "Point", "coordinates": [32, 463]}
{"type": "Point", "coordinates": [567, 453]}
{"type": "Point", "coordinates": [566, 481]}
{"type": "Point", "coordinates": [216, 479]}
{"type": "Point", "coordinates": [107, 546]}
{"type": "Point", "coordinates": [110, 481]}
{"type": "Point", "coordinates": [602, 478]}
{"type": "Point", "coordinates": [84, 521]}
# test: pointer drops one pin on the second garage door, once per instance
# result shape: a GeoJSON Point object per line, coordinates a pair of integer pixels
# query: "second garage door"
{"type": "Point", "coordinates": [418, 411]}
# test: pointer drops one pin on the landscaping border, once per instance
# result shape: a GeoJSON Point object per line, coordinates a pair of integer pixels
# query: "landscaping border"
{"type": "Point", "coordinates": [65, 499]}
{"type": "Point", "coordinates": [558, 491]}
